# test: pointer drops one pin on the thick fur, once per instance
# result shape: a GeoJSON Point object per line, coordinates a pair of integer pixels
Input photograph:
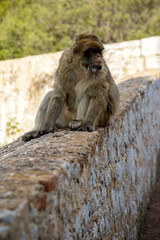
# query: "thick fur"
{"type": "Point", "coordinates": [84, 96]}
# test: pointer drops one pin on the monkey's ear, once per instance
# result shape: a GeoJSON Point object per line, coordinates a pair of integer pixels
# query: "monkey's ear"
{"type": "Point", "coordinates": [76, 49]}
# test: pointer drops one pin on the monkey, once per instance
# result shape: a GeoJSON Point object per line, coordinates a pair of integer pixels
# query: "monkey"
{"type": "Point", "coordinates": [84, 94]}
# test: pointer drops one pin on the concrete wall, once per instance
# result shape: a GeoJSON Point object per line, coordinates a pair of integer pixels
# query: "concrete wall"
{"type": "Point", "coordinates": [79, 185]}
{"type": "Point", "coordinates": [24, 82]}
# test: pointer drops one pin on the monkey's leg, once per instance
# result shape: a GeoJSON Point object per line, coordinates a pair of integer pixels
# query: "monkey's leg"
{"type": "Point", "coordinates": [40, 116]}
{"type": "Point", "coordinates": [55, 108]}
{"type": "Point", "coordinates": [47, 114]}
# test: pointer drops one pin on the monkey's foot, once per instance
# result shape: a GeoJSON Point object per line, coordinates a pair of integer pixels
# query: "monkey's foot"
{"type": "Point", "coordinates": [34, 134]}
{"type": "Point", "coordinates": [75, 124]}
{"type": "Point", "coordinates": [80, 125]}
{"type": "Point", "coordinates": [86, 128]}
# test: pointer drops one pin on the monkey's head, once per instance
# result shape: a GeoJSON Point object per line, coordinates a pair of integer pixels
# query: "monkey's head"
{"type": "Point", "coordinates": [88, 52]}
{"type": "Point", "coordinates": [86, 36]}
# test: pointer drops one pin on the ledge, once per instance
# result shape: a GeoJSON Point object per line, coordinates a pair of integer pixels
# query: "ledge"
{"type": "Point", "coordinates": [18, 103]}
{"type": "Point", "coordinates": [74, 185]}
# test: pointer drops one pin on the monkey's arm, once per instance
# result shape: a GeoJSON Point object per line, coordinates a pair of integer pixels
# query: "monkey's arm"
{"type": "Point", "coordinates": [113, 96]}
{"type": "Point", "coordinates": [96, 110]}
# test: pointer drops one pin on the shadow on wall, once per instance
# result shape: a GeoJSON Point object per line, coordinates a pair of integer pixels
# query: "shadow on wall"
{"type": "Point", "coordinates": [149, 227]}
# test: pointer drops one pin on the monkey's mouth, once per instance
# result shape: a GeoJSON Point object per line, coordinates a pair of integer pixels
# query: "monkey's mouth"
{"type": "Point", "coordinates": [95, 68]}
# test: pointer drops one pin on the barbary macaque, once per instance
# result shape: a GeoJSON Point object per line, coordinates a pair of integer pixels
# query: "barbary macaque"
{"type": "Point", "coordinates": [84, 96]}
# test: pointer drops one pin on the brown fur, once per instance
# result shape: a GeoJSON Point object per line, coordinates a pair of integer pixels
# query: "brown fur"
{"type": "Point", "coordinates": [85, 95]}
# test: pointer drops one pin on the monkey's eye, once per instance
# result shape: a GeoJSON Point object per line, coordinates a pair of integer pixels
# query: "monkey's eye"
{"type": "Point", "coordinates": [90, 52]}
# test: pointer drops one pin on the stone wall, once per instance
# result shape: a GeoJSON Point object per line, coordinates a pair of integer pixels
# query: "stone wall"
{"type": "Point", "coordinates": [78, 185]}
{"type": "Point", "coordinates": [24, 82]}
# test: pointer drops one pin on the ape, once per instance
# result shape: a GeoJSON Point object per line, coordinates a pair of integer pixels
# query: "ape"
{"type": "Point", "coordinates": [84, 96]}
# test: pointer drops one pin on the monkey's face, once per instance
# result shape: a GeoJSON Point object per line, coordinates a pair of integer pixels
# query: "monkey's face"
{"type": "Point", "coordinates": [93, 60]}
{"type": "Point", "coordinates": [89, 55]}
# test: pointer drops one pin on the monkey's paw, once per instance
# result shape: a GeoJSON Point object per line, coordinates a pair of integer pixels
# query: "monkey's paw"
{"type": "Point", "coordinates": [34, 134]}
{"type": "Point", "coordinates": [80, 125]}
{"type": "Point", "coordinates": [86, 128]}
{"type": "Point", "coordinates": [75, 124]}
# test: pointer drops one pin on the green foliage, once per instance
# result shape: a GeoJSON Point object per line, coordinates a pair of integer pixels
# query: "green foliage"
{"type": "Point", "coordinates": [12, 127]}
{"type": "Point", "coordinates": [29, 27]}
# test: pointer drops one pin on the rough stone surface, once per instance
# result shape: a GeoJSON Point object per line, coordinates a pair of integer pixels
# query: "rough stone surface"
{"type": "Point", "coordinates": [25, 81]}
{"type": "Point", "coordinates": [79, 185]}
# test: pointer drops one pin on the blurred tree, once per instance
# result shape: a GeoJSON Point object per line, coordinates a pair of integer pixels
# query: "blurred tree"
{"type": "Point", "coordinates": [29, 27]}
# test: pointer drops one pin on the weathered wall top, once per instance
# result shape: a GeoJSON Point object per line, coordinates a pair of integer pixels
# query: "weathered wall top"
{"type": "Point", "coordinates": [24, 82]}
{"type": "Point", "coordinates": [79, 185]}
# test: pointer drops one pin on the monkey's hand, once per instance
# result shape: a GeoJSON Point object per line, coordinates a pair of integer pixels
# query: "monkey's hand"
{"type": "Point", "coordinates": [34, 134]}
{"type": "Point", "coordinates": [75, 124]}
{"type": "Point", "coordinates": [80, 125]}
